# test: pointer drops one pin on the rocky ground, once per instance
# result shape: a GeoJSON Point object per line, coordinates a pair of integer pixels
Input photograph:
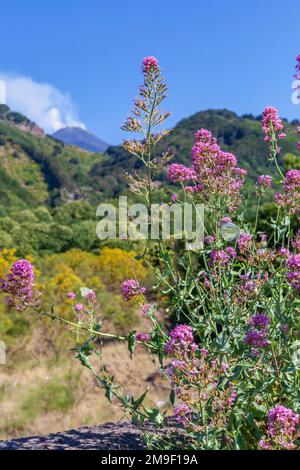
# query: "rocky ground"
{"type": "Point", "coordinates": [112, 436]}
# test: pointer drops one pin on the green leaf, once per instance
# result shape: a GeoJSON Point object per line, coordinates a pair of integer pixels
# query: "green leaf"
{"type": "Point", "coordinates": [131, 338]}
{"type": "Point", "coordinates": [137, 403]}
{"type": "Point", "coordinates": [52, 314]}
{"type": "Point", "coordinates": [260, 411]}
{"type": "Point", "coordinates": [296, 359]}
{"type": "Point", "coordinates": [172, 397]}
{"type": "Point", "coordinates": [108, 391]}
{"type": "Point", "coordinates": [155, 416]}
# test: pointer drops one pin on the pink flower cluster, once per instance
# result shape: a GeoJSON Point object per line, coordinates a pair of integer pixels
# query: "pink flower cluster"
{"type": "Point", "coordinates": [181, 347]}
{"type": "Point", "coordinates": [225, 220]}
{"type": "Point", "coordinates": [231, 251]}
{"type": "Point", "coordinates": [71, 295]}
{"type": "Point", "coordinates": [18, 285]}
{"type": "Point", "coordinates": [259, 320]}
{"type": "Point", "coordinates": [219, 258]}
{"type": "Point", "coordinates": [264, 181]}
{"type": "Point", "coordinates": [257, 335]}
{"type": "Point", "coordinates": [257, 339]}
{"type": "Point", "coordinates": [296, 241]}
{"type": "Point", "coordinates": [250, 286]}
{"type": "Point", "coordinates": [292, 180]}
{"type": "Point", "coordinates": [180, 173]}
{"type": "Point", "coordinates": [216, 171]}
{"type": "Point", "coordinates": [91, 296]}
{"type": "Point", "coordinates": [150, 63]}
{"type": "Point", "coordinates": [142, 336]}
{"type": "Point", "coordinates": [293, 273]}
{"type": "Point", "coordinates": [190, 368]}
{"type": "Point", "coordinates": [145, 309]}
{"type": "Point", "coordinates": [272, 124]}
{"type": "Point", "coordinates": [209, 239]}
{"type": "Point", "coordinates": [283, 252]}
{"type": "Point", "coordinates": [282, 429]}
{"type": "Point", "coordinates": [79, 307]}
{"type": "Point", "coordinates": [291, 196]}
{"type": "Point", "coordinates": [245, 243]}
{"type": "Point", "coordinates": [233, 396]}
{"type": "Point", "coordinates": [183, 413]}
{"type": "Point", "coordinates": [182, 339]}
{"type": "Point", "coordinates": [131, 288]}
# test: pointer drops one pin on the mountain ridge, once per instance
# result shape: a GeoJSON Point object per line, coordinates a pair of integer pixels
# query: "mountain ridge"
{"type": "Point", "coordinates": [20, 121]}
{"type": "Point", "coordinates": [74, 135]}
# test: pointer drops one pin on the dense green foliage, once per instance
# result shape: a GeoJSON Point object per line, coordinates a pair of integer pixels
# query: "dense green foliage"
{"type": "Point", "coordinates": [61, 171]}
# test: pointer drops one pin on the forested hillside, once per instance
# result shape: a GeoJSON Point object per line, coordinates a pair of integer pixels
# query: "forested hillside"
{"type": "Point", "coordinates": [49, 191]}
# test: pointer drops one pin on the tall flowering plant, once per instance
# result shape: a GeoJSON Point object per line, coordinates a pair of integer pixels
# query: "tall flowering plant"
{"type": "Point", "coordinates": [232, 361]}
{"type": "Point", "coordinates": [146, 117]}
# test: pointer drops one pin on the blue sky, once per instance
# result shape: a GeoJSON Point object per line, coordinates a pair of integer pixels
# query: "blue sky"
{"type": "Point", "coordinates": [215, 53]}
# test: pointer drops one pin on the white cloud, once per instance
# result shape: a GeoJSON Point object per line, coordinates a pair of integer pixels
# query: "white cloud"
{"type": "Point", "coordinates": [40, 102]}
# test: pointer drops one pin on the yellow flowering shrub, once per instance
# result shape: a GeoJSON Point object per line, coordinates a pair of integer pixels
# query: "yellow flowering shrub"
{"type": "Point", "coordinates": [58, 274]}
{"type": "Point", "coordinates": [7, 258]}
{"type": "Point", "coordinates": [103, 272]}
{"type": "Point", "coordinates": [117, 265]}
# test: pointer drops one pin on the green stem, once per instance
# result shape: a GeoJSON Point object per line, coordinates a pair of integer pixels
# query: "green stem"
{"type": "Point", "coordinates": [90, 330]}
{"type": "Point", "coordinates": [257, 213]}
{"type": "Point", "coordinates": [81, 327]}
{"type": "Point", "coordinates": [276, 366]}
{"type": "Point", "coordinates": [149, 148]}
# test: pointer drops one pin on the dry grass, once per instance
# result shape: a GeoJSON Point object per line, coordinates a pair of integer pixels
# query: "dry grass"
{"type": "Point", "coordinates": [46, 393]}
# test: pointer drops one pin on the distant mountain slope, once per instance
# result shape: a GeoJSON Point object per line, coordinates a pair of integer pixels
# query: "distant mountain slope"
{"type": "Point", "coordinates": [20, 121]}
{"type": "Point", "coordinates": [35, 170]}
{"type": "Point", "coordinates": [80, 138]}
